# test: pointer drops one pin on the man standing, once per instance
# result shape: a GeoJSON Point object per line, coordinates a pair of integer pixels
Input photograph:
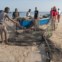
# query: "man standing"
{"type": "Point", "coordinates": [36, 13]}
{"type": "Point", "coordinates": [28, 14]}
{"type": "Point", "coordinates": [54, 17]}
{"type": "Point", "coordinates": [15, 13]}
{"type": "Point", "coordinates": [59, 13]}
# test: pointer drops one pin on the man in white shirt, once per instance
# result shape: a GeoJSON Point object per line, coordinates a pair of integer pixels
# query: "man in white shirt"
{"type": "Point", "coordinates": [59, 14]}
{"type": "Point", "coordinates": [28, 14]}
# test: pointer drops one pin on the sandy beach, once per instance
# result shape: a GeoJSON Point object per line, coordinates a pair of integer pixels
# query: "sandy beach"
{"type": "Point", "coordinates": [22, 48]}
{"type": "Point", "coordinates": [57, 35]}
{"type": "Point", "coordinates": [30, 52]}
{"type": "Point", "coordinates": [56, 39]}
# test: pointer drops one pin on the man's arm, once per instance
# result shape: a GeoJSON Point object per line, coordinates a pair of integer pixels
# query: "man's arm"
{"type": "Point", "coordinates": [14, 21]}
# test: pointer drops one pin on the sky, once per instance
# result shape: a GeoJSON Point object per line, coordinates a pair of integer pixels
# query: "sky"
{"type": "Point", "coordinates": [24, 5]}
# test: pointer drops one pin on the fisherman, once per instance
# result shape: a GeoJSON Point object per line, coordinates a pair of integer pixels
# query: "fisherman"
{"type": "Point", "coordinates": [36, 13]}
{"type": "Point", "coordinates": [16, 16]}
{"type": "Point", "coordinates": [54, 17]}
{"type": "Point", "coordinates": [51, 12]}
{"type": "Point", "coordinates": [28, 14]}
{"type": "Point", "coordinates": [3, 16]}
{"type": "Point", "coordinates": [59, 14]}
{"type": "Point", "coordinates": [15, 13]}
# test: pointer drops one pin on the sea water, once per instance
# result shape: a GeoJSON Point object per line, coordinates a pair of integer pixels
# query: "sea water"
{"type": "Point", "coordinates": [23, 14]}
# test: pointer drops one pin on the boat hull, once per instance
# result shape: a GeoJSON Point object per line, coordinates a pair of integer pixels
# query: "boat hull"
{"type": "Point", "coordinates": [29, 23]}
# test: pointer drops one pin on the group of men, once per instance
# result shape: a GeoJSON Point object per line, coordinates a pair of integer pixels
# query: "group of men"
{"type": "Point", "coordinates": [4, 15]}
{"type": "Point", "coordinates": [36, 14]}
{"type": "Point", "coordinates": [55, 17]}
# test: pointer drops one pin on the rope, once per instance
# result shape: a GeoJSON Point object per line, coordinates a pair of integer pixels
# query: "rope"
{"type": "Point", "coordinates": [48, 31]}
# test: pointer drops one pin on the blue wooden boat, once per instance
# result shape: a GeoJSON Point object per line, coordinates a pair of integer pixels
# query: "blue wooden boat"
{"type": "Point", "coordinates": [43, 21]}
{"type": "Point", "coordinates": [28, 23]}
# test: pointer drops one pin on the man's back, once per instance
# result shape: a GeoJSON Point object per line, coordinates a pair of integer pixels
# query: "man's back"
{"type": "Point", "coordinates": [54, 13]}
{"type": "Point", "coordinates": [1, 16]}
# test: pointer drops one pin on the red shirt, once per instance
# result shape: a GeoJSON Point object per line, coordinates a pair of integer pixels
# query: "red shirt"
{"type": "Point", "coordinates": [54, 13]}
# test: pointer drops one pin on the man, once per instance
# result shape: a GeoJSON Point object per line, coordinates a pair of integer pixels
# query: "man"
{"type": "Point", "coordinates": [59, 13]}
{"type": "Point", "coordinates": [54, 17]}
{"type": "Point", "coordinates": [28, 14]}
{"type": "Point", "coordinates": [36, 13]}
{"type": "Point", "coordinates": [15, 13]}
{"type": "Point", "coordinates": [3, 16]}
